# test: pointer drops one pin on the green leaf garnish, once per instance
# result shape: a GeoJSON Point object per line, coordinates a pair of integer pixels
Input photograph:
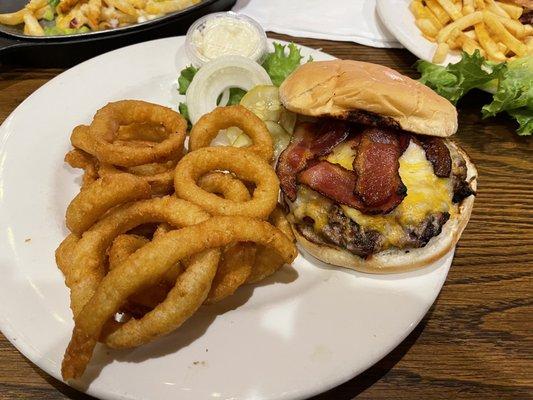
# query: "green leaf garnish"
{"type": "Point", "coordinates": [280, 64]}
{"type": "Point", "coordinates": [185, 78]}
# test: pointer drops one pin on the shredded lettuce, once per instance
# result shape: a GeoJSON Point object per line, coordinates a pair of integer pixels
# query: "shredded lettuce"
{"type": "Point", "coordinates": [279, 64]}
{"type": "Point", "coordinates": [513, 83]}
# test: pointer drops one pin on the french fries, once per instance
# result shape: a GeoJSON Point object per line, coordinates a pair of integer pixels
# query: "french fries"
{"type": "Point", "coordinates": [490, 26]}
{"type": "Point", "coordinates": [84, 15]}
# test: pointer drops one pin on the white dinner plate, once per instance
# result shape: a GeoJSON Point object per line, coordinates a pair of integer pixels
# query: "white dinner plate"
{"type": "Point", "coordinates": [307, 329]}
{"type": "Point", "coordinates": [400, 21]}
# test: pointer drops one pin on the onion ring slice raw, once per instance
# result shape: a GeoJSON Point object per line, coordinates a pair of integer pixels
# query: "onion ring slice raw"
{"type": "Point", "coordinates": [207, 128]}
{"type": "Point", "coordinates": [246, 165]}
{"type": "Point", "coordinates": [218, 75]}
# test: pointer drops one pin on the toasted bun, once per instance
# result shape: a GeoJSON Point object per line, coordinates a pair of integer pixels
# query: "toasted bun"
{"type": "Point", "coordinates": [338, 88]}
{"type": "Point", "coordinates": [394, 260]}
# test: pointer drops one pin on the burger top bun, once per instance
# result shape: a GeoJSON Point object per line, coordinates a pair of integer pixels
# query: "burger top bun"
{"type": "Point", "coordinates": [341, 88]}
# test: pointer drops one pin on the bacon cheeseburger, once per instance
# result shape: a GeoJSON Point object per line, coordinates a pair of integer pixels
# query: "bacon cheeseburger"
{"type": "Point", "coordinates": [369, 180]}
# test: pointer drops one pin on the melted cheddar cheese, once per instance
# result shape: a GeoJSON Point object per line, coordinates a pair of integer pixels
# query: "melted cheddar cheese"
{"type": "Point", "coordinates": [426, 194]}
{"type": "Point", "coordinates": [343, 155]}
{"type": "Point", "coordinates": [311, 204]}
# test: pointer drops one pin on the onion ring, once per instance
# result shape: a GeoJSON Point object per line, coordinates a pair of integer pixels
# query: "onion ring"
{"type": "Point", "coordinates": [97, 139]}
{"type": "Point", "coordinates": [238, 258]}
{"type": "Point", "coordinates": [87, 266]}
{"type": "Point", "coordinates": [245, 164]}
{"type": "Point", "coordinates": [208, 126]}
{"type": "Point", "coordinates": [234, 270]}
{"type": "Point", "coordinates": [98, 198]}
{"type": "Point", "coordinates": [160, 176]}
{"type": "Point", "coordinates": [143, 131]}
{"type": "Point", "coordinates": [224, 184]}
{"type": "Point", "coordinates": [148, 264]}
{"type": "Point", "coordinates": [125, 245]}
{"type": "Point", "coordinates": [64, 253]}
{"type": "Point", "coordinates": [77, 158]}
{"type": "Point", "coordinates": [266, 261]}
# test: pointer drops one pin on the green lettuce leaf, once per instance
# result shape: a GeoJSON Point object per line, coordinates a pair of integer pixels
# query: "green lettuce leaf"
{"type": "Point", "coordinates": [512, 83]}
{"type": "Point", "coordinates": [456, 80]}
{"type": "Point", "coordinates": [515, 95]}
{"type": "Point", "coordinates": [184, 111]}
{"type": "Point", "coordinates": [524, 117]}
{"type": "Point", "coordinates": [279, 64]}
{"type": "Point", "coordinates": [235, 96]}
{"type": "Point", "coordinates": [185, 78]}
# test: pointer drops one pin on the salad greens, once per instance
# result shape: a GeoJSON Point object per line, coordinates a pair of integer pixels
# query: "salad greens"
{"type": "Point", "coordinates": [185, 78]}
{"type": "Point", "coordinates": [515, 95]}
{"type": "Point", "coordinates": [278, 64]}
{"type": "Point", "coordinates": [512, 83]}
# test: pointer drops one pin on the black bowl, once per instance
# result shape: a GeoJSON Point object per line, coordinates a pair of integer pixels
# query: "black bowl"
{"type": "Point", "coordinates": [66, 51]}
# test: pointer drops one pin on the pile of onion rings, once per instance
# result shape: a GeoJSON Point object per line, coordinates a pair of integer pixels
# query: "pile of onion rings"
{"type": "Point", "coordinates": [155, 233]}
{"type": "Point", "coordinates": [131, 136]}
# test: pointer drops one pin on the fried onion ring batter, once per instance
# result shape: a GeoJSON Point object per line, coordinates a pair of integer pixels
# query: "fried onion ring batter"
{"type": "Point", "coordinates": [149, 264]}
{"type": "Point", "coordinates": [207, 128]}
{"type": "Point", "coordinates": [97, 139]}
{"type": "Point", "coordinates": [244, 164]}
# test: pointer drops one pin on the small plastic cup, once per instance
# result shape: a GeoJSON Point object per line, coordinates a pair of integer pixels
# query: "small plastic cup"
{"type": "Point", "coordinates": [198, 30]}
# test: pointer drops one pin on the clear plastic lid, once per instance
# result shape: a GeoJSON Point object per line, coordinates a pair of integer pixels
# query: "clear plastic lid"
{"type": "Point", "coordinates": [225, 33]}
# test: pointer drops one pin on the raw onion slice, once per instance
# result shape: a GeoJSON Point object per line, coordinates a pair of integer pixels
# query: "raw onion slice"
{"type": "Point", "coordinates": [218, 75]}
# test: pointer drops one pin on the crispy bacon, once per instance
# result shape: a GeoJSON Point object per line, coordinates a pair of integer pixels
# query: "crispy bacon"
{"type": "Point", "coordinates": [332, 181]}
{"type": "Point", "coordinates": [308, 142]}
{"type": "Point", "coordinates": [376, 164]}
{"type": "Point", "coordinates": [337, 183]}
{"type": "Point", "coordinates": [437, 154]}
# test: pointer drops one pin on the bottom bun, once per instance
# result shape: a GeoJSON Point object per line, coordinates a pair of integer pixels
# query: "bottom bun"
{"type": "Point", "coordinates": [401, 260]}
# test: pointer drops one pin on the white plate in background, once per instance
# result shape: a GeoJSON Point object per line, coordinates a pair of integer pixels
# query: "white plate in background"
{"type": "Point", "coordinates": [400, 21]}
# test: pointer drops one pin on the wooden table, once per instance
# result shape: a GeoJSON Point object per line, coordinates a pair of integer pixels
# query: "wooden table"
{"type": "Point", "coordinates": [477, 340]}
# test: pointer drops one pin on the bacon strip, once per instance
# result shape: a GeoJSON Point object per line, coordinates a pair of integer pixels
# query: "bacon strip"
{"type": "Point", "coordinates": [332, 181]}
{"type": "Point", "coordinates": [379, 184]}
{"type": "Point", "coordinates": [437, 154]}
{"type": "Point", "coordinates": [337, 183]}
{"type": "Point", "coordinates": [309, 141]}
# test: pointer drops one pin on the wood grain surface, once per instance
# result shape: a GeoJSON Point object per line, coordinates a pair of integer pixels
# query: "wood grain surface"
{"type": "Point", "coordinates": [477, 340]}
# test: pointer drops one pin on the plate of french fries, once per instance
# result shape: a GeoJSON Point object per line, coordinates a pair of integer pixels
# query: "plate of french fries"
{"type": "Point", "coordinates": [439, 30]}
{"type": "Point", "coordinates": [38, 18]}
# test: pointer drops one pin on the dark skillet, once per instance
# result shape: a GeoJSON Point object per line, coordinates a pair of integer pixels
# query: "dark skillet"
{"type": "Point", "coordinates": [64, 51]}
